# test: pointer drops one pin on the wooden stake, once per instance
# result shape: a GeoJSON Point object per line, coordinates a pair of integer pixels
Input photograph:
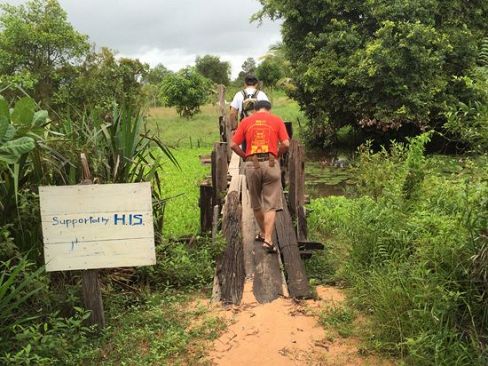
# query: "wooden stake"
{"type": "Point", "coordinates": [219, 172]}
{"type": "Point", "coordinates": [206, 208]}
{"type": "Point", "coordinates": [224, 120]}
{"type": "Point", "coordinates": [92, 296]}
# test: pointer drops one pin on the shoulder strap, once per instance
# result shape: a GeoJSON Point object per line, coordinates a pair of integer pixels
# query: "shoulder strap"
{"type": "Point", "coordinates": [255, 95]}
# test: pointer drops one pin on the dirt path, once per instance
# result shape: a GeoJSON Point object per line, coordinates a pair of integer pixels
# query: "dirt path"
{"type": "Point", "coordinates": [285, 332]}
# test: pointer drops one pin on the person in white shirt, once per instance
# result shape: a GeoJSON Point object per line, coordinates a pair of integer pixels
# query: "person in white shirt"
{"type": "Point", "coordinates": [244, 100]}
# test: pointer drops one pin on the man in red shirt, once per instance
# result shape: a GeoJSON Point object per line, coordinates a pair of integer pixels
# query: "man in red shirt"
{"type": "Point", "coordinates": [266, 139]}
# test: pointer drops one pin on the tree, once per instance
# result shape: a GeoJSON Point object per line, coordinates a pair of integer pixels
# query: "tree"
{"type": "Point", "coordinates": [187, 90]}
{"type": "Point", "coordinates": [156, 74]}
{"type": "Point", "coordinates": [101, 80]}
{"type": "Point", "coordinates": [212, 68]}
{"type": "Point", "coordinates": [379, 65]}
{"type": "Point", "coordinates": [36, 43]}
{"type": "Point", "coordinates": [269, 72]}
{"type": "Point", "coordinates": [249, 66]}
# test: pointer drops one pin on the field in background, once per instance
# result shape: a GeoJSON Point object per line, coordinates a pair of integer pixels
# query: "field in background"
{"type": "Point", "coordinates": [191, 139]}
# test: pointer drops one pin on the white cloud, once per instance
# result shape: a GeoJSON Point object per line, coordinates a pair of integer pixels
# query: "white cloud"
{"type": "Point", "coordinates": [174, 32]}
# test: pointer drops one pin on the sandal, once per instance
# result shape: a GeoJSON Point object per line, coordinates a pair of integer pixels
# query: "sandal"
{"type": "Point", "coordinates": [259, 237]}
{"type": "Point", "coordinates": [269, 247]}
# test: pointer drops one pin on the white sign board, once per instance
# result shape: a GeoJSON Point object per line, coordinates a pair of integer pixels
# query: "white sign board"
{"type": "Point", "coordinates": [97, 226]}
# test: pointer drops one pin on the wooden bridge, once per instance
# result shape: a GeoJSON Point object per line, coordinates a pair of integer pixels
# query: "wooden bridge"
{"type": "Point", "coordinates": [225, 204]}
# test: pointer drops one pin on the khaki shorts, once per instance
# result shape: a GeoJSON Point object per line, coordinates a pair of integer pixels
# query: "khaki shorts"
{"type": "Point", "coordinates": [264, 185]}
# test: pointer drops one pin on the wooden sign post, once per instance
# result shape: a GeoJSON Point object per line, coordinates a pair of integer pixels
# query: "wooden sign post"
{"type": "Point", "coordinates": [91, 226]}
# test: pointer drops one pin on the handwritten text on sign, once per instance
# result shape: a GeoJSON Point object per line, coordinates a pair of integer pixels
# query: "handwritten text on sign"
{"type": "Point", "coordinates": [97, 226]}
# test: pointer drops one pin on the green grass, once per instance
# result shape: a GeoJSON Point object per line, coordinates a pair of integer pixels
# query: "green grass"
{"type": "Point", "coordinates": [339, 318]}
{"type": "Point", "coordinates": [181, 186]}
{"type": "Point", "coordinates": [413, 262]}
{"type": "Point", "coordinates": [159, 329]}
{"type": "Point", "coordinates": [175, 131]}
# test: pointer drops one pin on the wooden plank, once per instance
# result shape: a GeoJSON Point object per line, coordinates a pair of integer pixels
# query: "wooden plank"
{"type": "Point", "coordinates": [117, 197]}
{"type": "Point", "coordinates": [87, 227]}
{"type": "Point", "coordinates": [232, 272]}
{"type": "Point", "coordinates": [294, 268]}
{"type": "Point", "coordinates": [234, 165]}
{"type": "Point", "coordinates": [89, 255]}
{"type": "Point", "coordinates": [206, 207]}
{"type": "Point", "coordinates": [267, 284]}
{"type": "Point", "coordinates": [235, 183]}
{"type": "Point", "coordinates": [247, 229]}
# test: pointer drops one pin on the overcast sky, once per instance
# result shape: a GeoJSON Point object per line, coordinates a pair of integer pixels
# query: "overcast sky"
{"type": "Point", "coordinates": [173, 32]}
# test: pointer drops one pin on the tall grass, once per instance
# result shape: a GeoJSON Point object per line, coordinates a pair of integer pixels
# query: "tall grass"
{"type": "Point", "coordinates": [416, 259]}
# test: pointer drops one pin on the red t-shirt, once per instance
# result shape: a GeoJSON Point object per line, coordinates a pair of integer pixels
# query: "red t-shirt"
{"type": "Point", "coordinates": [262, 131]}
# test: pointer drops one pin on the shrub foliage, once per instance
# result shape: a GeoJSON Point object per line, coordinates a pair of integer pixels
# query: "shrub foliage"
{"type": "Point", "coordinates": [380, 65]}
{"type": "Point", "coordinates": [417, 254]}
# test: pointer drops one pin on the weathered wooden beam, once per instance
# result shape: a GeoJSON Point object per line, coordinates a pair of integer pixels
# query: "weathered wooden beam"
{"type": "Point", "coordinates": [219, 172]}
{"type": "Point", "coordinates": [234, 165]}
{"type": "Point", "coordinates": [294, 268]}
{"type": "Point", "coordinates": [224, 120]}
{"type": "Point", "coordinates": [268, 278]}
{"type": "Point", "coordinates": [206, 207]}
{"type": "Point", "coordinates": [221, 96]}
{"type": "Point", "coordinates": [302, 227]}
{"type": "Point", "coordinates": [296, 168]}
{"type": "Point", "coordinates": [232, 271]}
{"type": "Point", "coordinates": [247, 228]}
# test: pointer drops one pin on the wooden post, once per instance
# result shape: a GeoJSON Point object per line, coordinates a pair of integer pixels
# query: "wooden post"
{"type": "Point", "coordinates": [206, 207]}
{"type": "Point", "coordinates": [92, 296]}
{"type": "Point", "coordinates": [302, 227]}
{"type": "Point", "coordinates": [222, 132]}
{"type": "Point", "coordinates": [219, 172]}
{"type": "Point", "coordinates": [221, 93]}
{"type": "Point", "coordinates": [284, 158]}
{"type": "Point", "coordinates": [289, 129]}
{"type": "Point", "coordinates": [296, 167]}
{"type": "Point", "coordinates": [296, 189]}
{"type": "Point", "coordinates": [215, 222]}
{"type": "Point", "coordinates": [224, 120]}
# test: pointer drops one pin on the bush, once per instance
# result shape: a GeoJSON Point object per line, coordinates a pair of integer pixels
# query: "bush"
{"type": "Point", "coordinates": [417, 253]}
{"type": "Point", "coordinates": [389, 67]}
{"type": "Point", "coordinates": [182, 266]}
{"type": "Point", "coordinates": [186, 90]}
{"type": "Point", "coordinates": [29, 334]}
{"type": "Point", "coordinates": [468, 121]}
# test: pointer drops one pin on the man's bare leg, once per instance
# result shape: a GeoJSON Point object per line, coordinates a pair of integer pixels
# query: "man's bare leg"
{"type": "Point", "coordinates": [259, 215]}
{"type": "Point", "coordinates": [269, 224]}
